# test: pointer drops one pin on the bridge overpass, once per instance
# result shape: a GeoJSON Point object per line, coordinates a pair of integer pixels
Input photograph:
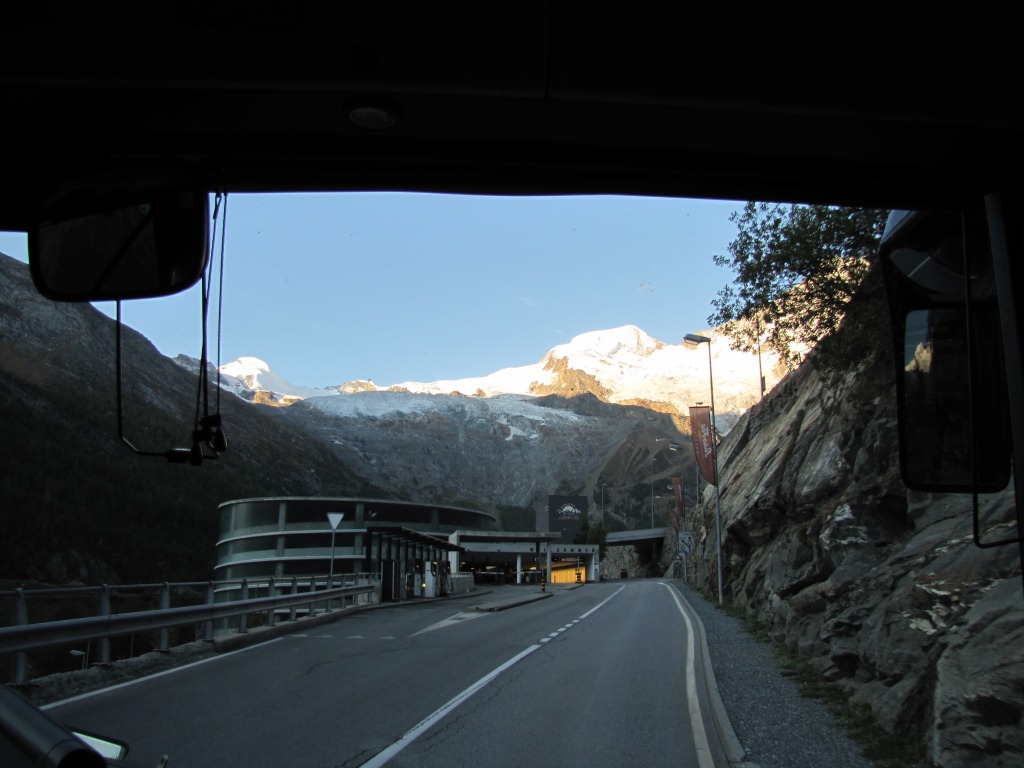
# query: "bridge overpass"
{"type": "Point", "coordinates": [640, 535]}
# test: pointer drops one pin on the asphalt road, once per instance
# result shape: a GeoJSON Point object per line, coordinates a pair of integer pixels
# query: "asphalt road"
{"type": "Point", "coordinates": [597, 676]}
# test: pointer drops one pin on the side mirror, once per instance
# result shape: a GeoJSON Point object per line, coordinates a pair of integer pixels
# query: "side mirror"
{"type": "Point", "coordinates": [108, 748]}
{"type": "Point", "coordinates": [950, 375]}
{"type": "Point", "coordinates": [120, 234]}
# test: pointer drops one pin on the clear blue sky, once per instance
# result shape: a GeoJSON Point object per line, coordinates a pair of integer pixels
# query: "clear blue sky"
{"type": "Point", "coordinates": [397, 287]}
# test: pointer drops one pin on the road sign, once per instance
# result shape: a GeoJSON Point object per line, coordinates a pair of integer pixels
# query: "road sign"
{"type": "Point", "coordinates": [685, 542]}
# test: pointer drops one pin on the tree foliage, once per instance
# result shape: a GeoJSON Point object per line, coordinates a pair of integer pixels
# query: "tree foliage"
{"type": "Point", "coordinates": [797, 268]}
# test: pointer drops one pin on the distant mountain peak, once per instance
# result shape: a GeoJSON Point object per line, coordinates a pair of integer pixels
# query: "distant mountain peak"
{"type": "Point", "coordinates": [256, 376]}
{"type": "Point", "coordinates": [627, 340]}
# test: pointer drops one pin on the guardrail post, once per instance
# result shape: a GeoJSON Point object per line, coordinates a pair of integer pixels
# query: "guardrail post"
{"type": "Point", "coordinates": [104, 642]}
{"type": "Point", "coordinates": [295, 591]}
{"type": "Point", "coordinates": [312, 593]}
{"type": "Point", "coordinates": [208, 625]}
{"type": "Point", "coordinates": [327, 602]}
{"type": "Point", "coordinates": [271, 592]}
{"type": "Point", "coordinates": [243, 619]}
{"type": "Point", "coordinates": [19, 619]}
{"type": "Point", "coordinates": [162, 643]}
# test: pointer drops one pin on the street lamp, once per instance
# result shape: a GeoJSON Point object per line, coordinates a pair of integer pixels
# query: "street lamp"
{"type": "Point", "coordinates": [692, 340]}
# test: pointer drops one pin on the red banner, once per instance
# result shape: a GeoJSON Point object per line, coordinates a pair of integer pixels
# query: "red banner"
{"type": "Point", "coordinates": [703, 441]}
{"type": "Point", "coordinates": [677, 489]}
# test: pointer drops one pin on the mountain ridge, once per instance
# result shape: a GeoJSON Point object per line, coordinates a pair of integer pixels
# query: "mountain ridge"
{"type": "Point", "coordinates": [621, 365]}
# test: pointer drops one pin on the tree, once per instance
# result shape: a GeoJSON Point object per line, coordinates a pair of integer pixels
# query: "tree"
{"type": "Point", "coordinates": [797, 268]}
{"type": "Point", "coordinates": [588, 534]}
{"type": "Point", "coordinates": [583, 534]}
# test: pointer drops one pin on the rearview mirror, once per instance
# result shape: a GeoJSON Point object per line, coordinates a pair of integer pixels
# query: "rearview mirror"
{"type": "Point", "coordinates": [120, 234]}
{"type": "Point", "coordinates": [951, 379]}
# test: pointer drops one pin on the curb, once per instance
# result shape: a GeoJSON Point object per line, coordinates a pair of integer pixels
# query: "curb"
{"type": "Point", "coordinates": [493, 607]}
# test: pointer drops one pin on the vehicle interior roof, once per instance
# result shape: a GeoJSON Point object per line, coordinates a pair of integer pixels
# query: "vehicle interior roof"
{"type": "Point", "coordinates": [533, 97]}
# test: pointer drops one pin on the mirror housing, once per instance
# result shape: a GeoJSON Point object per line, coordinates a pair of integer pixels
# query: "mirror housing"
{"type": "Point", "coordinates": [128, 233]}
{"type": "Point", "coordinates": [952, 402]}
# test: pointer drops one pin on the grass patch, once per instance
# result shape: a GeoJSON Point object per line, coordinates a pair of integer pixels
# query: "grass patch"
{"type": "Point", "coordinates": [884, 749]}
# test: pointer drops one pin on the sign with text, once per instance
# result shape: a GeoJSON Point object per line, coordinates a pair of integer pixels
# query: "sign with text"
{"type": "Point", "coordinates": [565, 515]}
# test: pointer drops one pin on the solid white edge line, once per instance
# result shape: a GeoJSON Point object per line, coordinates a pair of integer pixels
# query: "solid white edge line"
{"type": "Point", "coordinates": [155, 675]}
{"type": "Point", "coordinates": [382, 757]}
{"type": "Point", "coordinates": [700, 735]}
{"type": "Point", "coordinates": [727, 737]}
{"type": "Point", "coordinates": [414, 733]}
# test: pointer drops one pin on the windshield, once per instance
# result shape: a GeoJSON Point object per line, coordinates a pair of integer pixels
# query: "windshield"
{"type": "Point", "coordinates": [460, 468]}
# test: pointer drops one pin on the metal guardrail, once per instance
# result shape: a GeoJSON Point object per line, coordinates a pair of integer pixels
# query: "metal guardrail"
{"type": "Point", "coordinates": [23, 636]}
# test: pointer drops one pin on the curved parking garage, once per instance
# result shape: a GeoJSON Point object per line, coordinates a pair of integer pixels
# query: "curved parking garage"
{"type": "Point", "coordinates": [284, 536]}
{"type": "Point", "coordinates": [413, 549]}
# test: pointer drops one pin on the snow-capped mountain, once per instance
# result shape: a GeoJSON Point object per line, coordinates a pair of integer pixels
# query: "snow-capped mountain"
{"type": "Point", "coordinates": [620, 365]}
{"type": "Point", "coordinates": [254, 375]}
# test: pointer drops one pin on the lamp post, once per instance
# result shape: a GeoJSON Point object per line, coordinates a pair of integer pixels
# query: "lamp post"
{"type": "Point", "coordinates": [657, 440]}
{"type": "Point", "coordinates": [760, 372]}
{"type": "Point", "coordinates": [693, 340]}
{"type": "Point", "coordinates": [682, 487]}
{"type": "Point", "coordinates": [652, 492]}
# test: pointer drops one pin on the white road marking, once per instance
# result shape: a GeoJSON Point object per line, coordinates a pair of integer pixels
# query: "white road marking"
{"type": "Point", "coordinates": [700, 735]}
{"type": "Point", "coordinates": [183, 667]}
{"type": "Point", "coordinates": [414, 733]}
{"type": "Point", "coordinates": [382, 757]}
{"type": "Point", "coordinates": [458, 618]}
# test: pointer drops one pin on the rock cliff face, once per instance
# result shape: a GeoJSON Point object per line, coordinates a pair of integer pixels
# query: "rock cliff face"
{"type": "Point", "coordinates": [881, 587]}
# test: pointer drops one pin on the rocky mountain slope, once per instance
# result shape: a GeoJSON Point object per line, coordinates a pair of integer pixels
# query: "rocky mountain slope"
{"type": "Point", "coordinates": [503, 451]}
{"type": "Point", "coordinates": [75, 503]}
{"type": "Point", "coordinates": [881, 587]}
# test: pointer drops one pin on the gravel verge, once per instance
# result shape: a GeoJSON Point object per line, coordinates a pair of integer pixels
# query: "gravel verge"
{"type": "Point", "coordinates": [777, 727]}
